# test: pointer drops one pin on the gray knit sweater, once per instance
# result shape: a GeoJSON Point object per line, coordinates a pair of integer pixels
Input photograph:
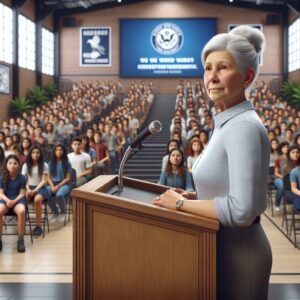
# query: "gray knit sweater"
{"type": "Point", "coordinates": [233, 168]}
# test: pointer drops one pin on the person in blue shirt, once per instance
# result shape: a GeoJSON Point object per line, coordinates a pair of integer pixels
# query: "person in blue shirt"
{"type": "Point", "coordinates": [175, 174]}
{"type": "Point", "coordinates": [59, 177]}
{"type": "Point", "coordinates": [12, 196]}
{"type": "Point", "coordinates": [295, 186]}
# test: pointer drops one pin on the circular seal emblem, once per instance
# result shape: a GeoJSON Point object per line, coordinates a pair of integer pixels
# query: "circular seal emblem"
{"type": "Point", "coordinates": [167, 38]}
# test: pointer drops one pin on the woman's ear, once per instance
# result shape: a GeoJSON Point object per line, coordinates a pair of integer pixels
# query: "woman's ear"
{"type": "Point", "coordinates": [250, 75]}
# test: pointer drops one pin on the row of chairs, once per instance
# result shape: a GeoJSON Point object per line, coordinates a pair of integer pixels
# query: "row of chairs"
{"type": "Point", "coordinates": [291, 209]}
{"type": "Point", "coordinates": [29, 212]}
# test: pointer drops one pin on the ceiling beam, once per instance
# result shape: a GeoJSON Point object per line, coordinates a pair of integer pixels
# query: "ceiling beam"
{"type": "Point", "coordinates": [249, 5]}
{"type": "Point", "coordinates": [18, 3]}
{"type": "Point", "coordinates": [94, 7]}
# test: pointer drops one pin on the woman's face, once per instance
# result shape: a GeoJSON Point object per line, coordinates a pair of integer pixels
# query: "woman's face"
{"type": "Point", "coordinates": [223, 81]}
{"type": "Point", "coordinates": [172, 145]}
{"type": "Point", "coordinates": [289, 134]}
{"type": "Point", "coordinates": [97, 138]}
{"type": "Point", "coordinates": [90, 133]}
{"type": "Point", "coordinates": [84, 142]}
{"type": "Point", "coordinates": [274, 145]}
{"type": "Point", "coordinates": [294, 155]}
{"type": "Point", "coordinates": [285, 149]}
{"type": "Point", "coordinates": [8, 141]}
{"type": "Point", "coordinates": [49, 127]}
{"type": "Point", "coordinates": [59, 152]}
{"type": "Point", "coordinates": [203, 137]}
{"type": "Point", "coordinates": [12, 165]}
{"type": "Point", "coordinates": [196, 147]}
{"type": "Point", "coordinates": [175, 158]}
{"type": "Point", "coordinates": [35, 154]}
{"type": "Point", "coordinates": [25, 144]}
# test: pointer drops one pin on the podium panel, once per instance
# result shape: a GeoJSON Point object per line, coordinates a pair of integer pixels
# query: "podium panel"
{"type": "Point", "coordinates": [130, 249]}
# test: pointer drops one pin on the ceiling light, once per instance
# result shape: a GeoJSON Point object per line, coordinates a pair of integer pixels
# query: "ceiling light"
{"type": "Point", "coordinates": [230, 0]}
{"type": "Point", "coordinates": [119, 1]}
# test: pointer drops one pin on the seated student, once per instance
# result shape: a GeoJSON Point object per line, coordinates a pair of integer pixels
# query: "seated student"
{"type": "Point", "coordinates": [175, 174]}
{"type": "Point", "coordinates": [25, 146]}
{"type": "Point", "coordinates": [111, 139]}
{"type": "Point", "coordinates": [59, 177]}
{"type": "Point", "coordinates": [2, 158]}
{"type": "Point", "coordinates": [80, 161]}
{"type": "Point", "coordinates": [15, 149]}
{"type": "Point", "coordinates": [12, 195]}
{"type": "Point", "coordinates": [90, 134]}
{"type": "Point", "coordinates": [36, 171]}
{"type": "Point", "coordinates": [295, 186]}
{"type": "Point", "coordinates": [172, 144]}
{"type": "Point", "coordinates": [86, 148]}
{"type": "Point", "coordinates": [203, 137]}
{"type": "Point", "coordinates": [50, 134]}
{"type": "Point", "coordinates": [7, 146]}
{"type": "Point", "coordinates": [195, 150]}
{"type": "Point", "coordinates": [102, 155]}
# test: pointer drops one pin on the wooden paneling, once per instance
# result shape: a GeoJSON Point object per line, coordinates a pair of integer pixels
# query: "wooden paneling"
{"type": "Point", "coordinates": [46, 79]}
{"type": "Point", "coordinates": [126, 249]}
{"type": "Point", "coordinates": [295, 76]}
{"type": "Point", "coordinates": [124, 252]}
{"type": "Point", "coordinates": [27, 81]}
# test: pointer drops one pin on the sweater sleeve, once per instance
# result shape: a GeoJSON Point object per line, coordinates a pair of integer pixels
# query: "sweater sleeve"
{"type": "Point", "coordinates": [244, 148]}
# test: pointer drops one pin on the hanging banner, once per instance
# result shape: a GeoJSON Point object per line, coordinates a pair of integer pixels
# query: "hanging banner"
{"type": "Point", "coordinates": [95, 46]}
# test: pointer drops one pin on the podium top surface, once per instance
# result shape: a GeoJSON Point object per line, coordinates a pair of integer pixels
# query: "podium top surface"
{"type": "Point", "coordinates": [136, 196]}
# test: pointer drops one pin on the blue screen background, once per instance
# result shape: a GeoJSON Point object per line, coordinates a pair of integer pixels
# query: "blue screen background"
{"type": "Point", "coordinates": [135, 43]}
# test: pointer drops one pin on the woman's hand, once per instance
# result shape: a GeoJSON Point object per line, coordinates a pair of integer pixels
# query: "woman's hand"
{"type": "Point", "coordinates": [168, 199]}
{"type": "Point", "coordinates": [10, 203]}
{"type": "Point", "coordinates": [182, 192]}
{"type": "Point", "coordinates": [55, 189]}
{"type": "Point", "coordinates": [29, 194]}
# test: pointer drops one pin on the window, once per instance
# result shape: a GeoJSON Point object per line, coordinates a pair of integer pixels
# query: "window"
{"type": "Point", "coordinates": [47, 52]}
{"type": "Point", "coordinates": [6, 34]}
{"type": "Point", "coordinates": [294, 46]}
{"type": "Point", "coordinates": [26, 43]}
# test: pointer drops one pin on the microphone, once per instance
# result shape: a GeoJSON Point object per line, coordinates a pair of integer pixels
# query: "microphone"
{"type": "Point", "coordinates": [154, 127]}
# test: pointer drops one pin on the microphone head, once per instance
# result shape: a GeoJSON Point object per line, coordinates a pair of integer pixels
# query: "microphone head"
{"type": "Point", "coordinates": [155, 127]}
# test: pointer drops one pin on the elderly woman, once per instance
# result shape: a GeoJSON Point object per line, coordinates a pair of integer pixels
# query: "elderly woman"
{"type": "Point", "coordinates": [231, 174]}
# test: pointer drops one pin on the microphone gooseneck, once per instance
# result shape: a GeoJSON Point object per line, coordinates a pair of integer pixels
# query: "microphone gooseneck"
{"type": "Point", "coordinates": [154, 127]}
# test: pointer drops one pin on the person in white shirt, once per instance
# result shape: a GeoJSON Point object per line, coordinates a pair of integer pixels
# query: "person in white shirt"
{"type": "Point", "coordinates": [36, 172]}
{"type": "Point", "coordinates": [80, 162]}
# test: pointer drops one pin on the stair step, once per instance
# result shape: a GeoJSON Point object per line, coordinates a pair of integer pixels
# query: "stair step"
{"type": "Point", "coordinates": [146, 164]}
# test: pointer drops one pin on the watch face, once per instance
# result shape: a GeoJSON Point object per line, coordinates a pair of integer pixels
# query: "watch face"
{"type": "Point", "coordinates": [179, 203]}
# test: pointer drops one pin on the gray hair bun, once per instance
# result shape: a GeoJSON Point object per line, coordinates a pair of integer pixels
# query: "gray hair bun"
{"type": "Point", "coordinates": [253, 35]}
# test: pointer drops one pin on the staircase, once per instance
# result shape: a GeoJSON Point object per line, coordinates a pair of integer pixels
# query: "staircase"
{"type": "Point", "coordinates": [146, 164]}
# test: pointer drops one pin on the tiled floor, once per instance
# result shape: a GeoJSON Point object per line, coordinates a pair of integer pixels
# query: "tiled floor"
{"type": "Point", "coordinates": [63, 291]}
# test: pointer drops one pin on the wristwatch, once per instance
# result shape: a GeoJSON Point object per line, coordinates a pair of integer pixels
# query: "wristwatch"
{"type": "Point", "coordinates": [179, 203]}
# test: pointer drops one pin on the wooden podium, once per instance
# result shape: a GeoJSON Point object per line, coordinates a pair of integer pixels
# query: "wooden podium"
{"type": "Point", "coordinates": [126, 248]}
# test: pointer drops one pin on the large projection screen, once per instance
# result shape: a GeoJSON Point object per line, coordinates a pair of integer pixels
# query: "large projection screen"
{"type": "Point", "coordinates": [163, 47]}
